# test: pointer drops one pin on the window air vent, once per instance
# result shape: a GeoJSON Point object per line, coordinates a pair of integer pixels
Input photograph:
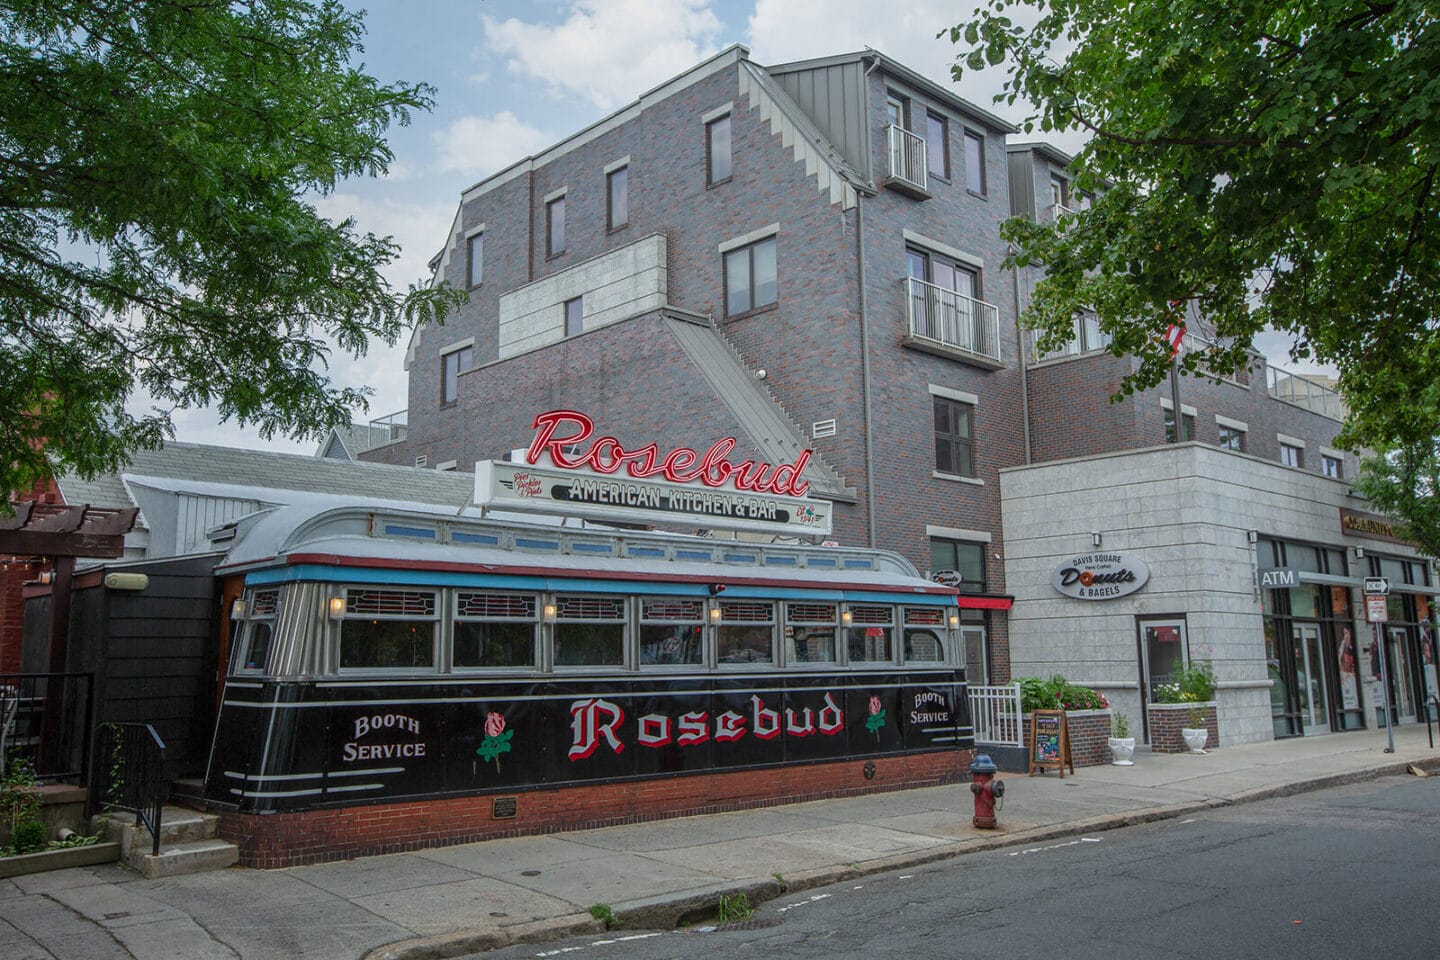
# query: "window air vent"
{"type": "Point", "coordinates": [822, 428]}
{"type": "Point", "coordinates": [422, 460]}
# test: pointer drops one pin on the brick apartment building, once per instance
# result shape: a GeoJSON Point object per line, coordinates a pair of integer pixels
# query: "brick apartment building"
{"type": "Point", "coordinates": [807, 255]}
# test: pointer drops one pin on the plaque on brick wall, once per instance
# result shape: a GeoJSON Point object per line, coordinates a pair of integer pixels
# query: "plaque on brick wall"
{"type": "Point", "coordinates": [504, 808]}
{"type": "Point", "coordinates": [1050, 742]}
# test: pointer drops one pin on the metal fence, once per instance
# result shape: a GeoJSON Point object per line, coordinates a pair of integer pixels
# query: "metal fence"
{"type": "Point", "coordinates": [130, 774]}
{"type": "Point", "coordinates": [995, 712]}
{"type": "Point", "coordinates": [45, 721]}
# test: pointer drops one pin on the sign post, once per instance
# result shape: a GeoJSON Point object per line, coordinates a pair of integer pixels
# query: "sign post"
{"type": "Point", "coordinates": [1377, 612]}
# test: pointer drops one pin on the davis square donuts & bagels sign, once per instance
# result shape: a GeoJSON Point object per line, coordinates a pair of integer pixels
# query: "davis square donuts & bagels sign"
{"type": "Point", "coordinates": [1100, 576]}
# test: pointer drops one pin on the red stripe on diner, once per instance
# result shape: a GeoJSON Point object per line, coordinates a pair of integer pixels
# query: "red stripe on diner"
{"type": "Point", "coordinates": [445, 566]}
{"type": "Point", "coordinates": [986, 603]}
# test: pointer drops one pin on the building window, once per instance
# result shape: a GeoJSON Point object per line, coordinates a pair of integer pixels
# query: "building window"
{"type": "Point", "coordinates": [954, 437]}
{"type": "Point", "coordinates": [1059, 196]}
{"type": "Point", "coordinates": [937, 145]}
{"type": "Point", "coordinates": [555, 226]}
{"type": "Point", "coordinates": [589, 631]}
{"type": "Point", "coordinates": [897, 110]}
{"type": "Point", "coordinates": [750, 277]}
{"type": "Point", "coordinates": [1291, 455]}
{"type": "Point", "coordinates": [494, 629]}
{"type": "Point", "coordinates": [1170, 425]}
{"type": "Point", "coordinates": [1232, 439]}
{"type": "Point", "coordinates": [672, 632]}
{"type": "Point", "coordinates": [974, 162]}
{"type": "Point", "coordinates": [618, 192]}
{"type": "Point", "coordinates": [475, 270]}
{"type": "Point", "coordinates": [389, 630]}
{"type": "Point", "coordinates": [1331, 466]}
{"type": "Point", "coordinates": [966, 559]}
{"type": "Point", "coordinates": [810, 633]}
{"type": "Point", "coordinates": [452, 365]}
{"type": "Point", "coordinates": [717, 150]}
{"type": "Point", "coordinates": [746, 634]}
{"type": "Point", "coordinates": [574, 316]}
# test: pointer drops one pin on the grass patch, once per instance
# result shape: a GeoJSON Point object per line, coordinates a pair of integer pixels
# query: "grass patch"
{"type": "Point", "coordinates": [603, 913]}
{"type": "Point", "coordinates": [733, 908]}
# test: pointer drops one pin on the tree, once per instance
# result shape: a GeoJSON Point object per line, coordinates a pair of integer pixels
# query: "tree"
{"type": "Point", "coordinates": [155, 164]}
{"type": "Point", "coordinates": [1402, 482]}
{"type": "Point", "coordinates": [1267, 164]}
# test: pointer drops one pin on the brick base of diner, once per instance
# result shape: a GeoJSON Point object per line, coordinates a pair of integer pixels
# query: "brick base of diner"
{"type": "Point", "coordinates": [1168, 719]}
{"type": "Point", "coordinates": [317, 836]}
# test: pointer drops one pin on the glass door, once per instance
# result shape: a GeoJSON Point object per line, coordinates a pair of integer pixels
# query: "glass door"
{"type": "Point", "coordinates": [1402, 683]}
{"type": "Point", "coordinates": [1162, 649]}
{"type": "Point", "coordinates": [1310, 679]}
{"type": "Point", "coordinates": [974, 640]}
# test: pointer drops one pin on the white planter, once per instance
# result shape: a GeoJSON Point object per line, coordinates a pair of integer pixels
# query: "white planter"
{"type": "Point", "coordinates": [1121, 750]}
{"type": "Point", "coordinates": [1195, 738]}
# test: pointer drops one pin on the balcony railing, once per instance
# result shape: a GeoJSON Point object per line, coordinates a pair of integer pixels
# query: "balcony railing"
{"type": "Point", "coordinates": [908, 166]}
{"type": "Point", "coordinates": [389, 428]}
{"type": "Point", "coordinates": [1303, 392]}
{"type": "Point", "coordinates": [952, 320]}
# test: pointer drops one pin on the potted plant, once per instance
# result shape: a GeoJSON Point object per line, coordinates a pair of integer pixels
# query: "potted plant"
{"type": "Point", "coordinates": [1122, 745]}
{"type": "Point", "coordinates": [1196, 734]}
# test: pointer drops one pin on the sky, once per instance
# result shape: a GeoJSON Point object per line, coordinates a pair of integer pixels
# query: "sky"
{"type": "Point", "coordinates": [512, 77]}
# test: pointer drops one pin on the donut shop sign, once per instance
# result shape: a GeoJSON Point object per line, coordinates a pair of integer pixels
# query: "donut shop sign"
{"type": "Point", "coordinates": [1100, 576]}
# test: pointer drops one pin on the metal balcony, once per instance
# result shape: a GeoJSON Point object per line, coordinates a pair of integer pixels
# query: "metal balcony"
{"type": "Point", "coordinates": [951, 324]}
{"type": "Point", "coordinates": [908, 165]}
{"type": "Point", "coordinates": [1302, 392]}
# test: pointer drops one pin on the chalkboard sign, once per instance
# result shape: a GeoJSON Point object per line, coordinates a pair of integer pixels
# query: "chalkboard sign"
{"type": "Point", "coordinates": [1050, 742]}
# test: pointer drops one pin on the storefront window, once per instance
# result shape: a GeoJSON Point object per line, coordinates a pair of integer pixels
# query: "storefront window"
{"type": "Point", "coordinates": [672, 632]}
{"type": "Point", "coordinates": [589, 631]}
{"type": "Point", "coordinates": [870, 633]}
{"type": "Point", "coordinates": [810, 632]}
{"type": "Point", "coordinates": [388, 630]}
{"type": "Point", "coordinates": [747, 633]}
{"type": "Point", "coordinates": [494, 630]}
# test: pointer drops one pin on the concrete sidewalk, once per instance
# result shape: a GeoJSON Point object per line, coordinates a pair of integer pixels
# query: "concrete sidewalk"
{"type": "Point", "coordinates": [454, 900]}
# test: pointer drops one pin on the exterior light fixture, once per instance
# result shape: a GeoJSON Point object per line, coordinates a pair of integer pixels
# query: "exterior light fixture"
{"type": "Point", "coordinates": [1252, 535]}
{"type": "Point", "coordinates": [240, 609]}
{"type": "Point", "coordinates": [550, 612]}
{"type": "Point", "coordinates": [335, 606]}
{"type": "Point", "coordinates": [714, 611]}
{"type": "Point", "coordinates": [1359, 553]}
{"type": "Point", "coordinates": [846, 617]}
{"type": "Point", "coordinates": [1095, 539]}
{"type": "Point", "coordinates": [954, 620]}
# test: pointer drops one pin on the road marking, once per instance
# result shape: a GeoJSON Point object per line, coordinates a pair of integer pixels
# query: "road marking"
{"type": "Point", "coordinates": [818, 896]}
{"type": "Point", "coordinates": [1056, 846]}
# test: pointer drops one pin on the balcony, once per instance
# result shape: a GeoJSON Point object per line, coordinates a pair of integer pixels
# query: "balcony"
{"type": "Point", "coordinates": [908, 165]}
{"type": "Point", "coordinates": [388, 429]}
{"type": "Point", "coordinates": [1303, 392]}
{"type": "Point", "coordinates": [950, 324]}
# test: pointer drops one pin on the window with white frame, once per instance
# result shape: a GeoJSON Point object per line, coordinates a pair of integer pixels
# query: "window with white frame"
{"type": "Point", "coordinates": [746, 634]}
{"type": "Point", "coordinates": [1292, 455]}
{"type": "Point", "coordinates": [387, 629]}
{"type": "Point", "coordinates": [494, 629]}
{"type": "Point", "coordinates": [1332, 466]}
{"type": "Point", "coordinates": [870, 636]}
{"type": "Point", "coordinates": [1232, 438]}
{"type": "Point", "coordinates": [924, 635]}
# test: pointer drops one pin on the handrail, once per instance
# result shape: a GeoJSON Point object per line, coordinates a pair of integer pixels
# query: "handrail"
{"type": "Point", "coordinates": [135, 779]}
{"type": "Point", "coordinates": [952, 319]}
{"type": "Point", "coordinates": [1431, 715]}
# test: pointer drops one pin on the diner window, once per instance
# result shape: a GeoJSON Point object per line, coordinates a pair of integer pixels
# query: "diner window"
{"type": "Point", "coordinates": [810, 632]}
{"type": "Point", "coordinates": [494, 629]}
{"type": "Point", "coordinates": [1332, 466]}
{"type": "Point", "coordinates": [1291, 455]}
{"type": "Point", "coordinates": [746, 634]}
{"type": "Point", "coordinates": [672, 632]}
{"type": "Point", "coordinates": [259, 632]}
{"type": "Point", "coordinates": [453, 364]}
{"type": "Point", "coordinates": [974, 163]}
{"type": "Point", "coordinates": [924, 633]}
{"type": "Point", "coordinates": [937, 145]}
{"type": "Point", "coordinates": [589, 631]}
{"type": "Point", "coordinates": [717, 150]}
{"type": "Point", "coordinates": [750, 277]}
{"type": "Point", "coordinates": [954, 437]}
{"type": "Point", "coordinates": [966, 559]}
{"type": "Point", "coordinates": [555, 227]}
{"type": "Point", "coordinates": [475, 259]}
{"type": "Point", "coordinates": [574, 316]}
{"type": "Point", "coordinates": [618, 197]}
{"type": "Point", "coordinates": [870, 636]}
{"type": "Point", "coordinates": [1232, 439]}
{"type": "Point", "coordinates": [388, 630]}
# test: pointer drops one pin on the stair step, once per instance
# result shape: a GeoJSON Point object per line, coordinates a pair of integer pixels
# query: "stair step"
{"type": "Point", "coordinates": [190, 856]}
{"type": "Point", "coordinates": [177, 825]}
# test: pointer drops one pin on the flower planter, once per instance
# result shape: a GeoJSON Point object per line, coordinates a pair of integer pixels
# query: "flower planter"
{"type": "Point", "coordinates": [1167, 720]}
{"type": "Point", "coordinates": [1121, 750]}
{"type": "Point", "coordinates": [1195, 738]}
{"type": "Point", "coordinates": [1089, 733]}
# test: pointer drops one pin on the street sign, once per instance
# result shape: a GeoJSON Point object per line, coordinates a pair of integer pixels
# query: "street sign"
{"type": "Point", "coordinates": [1377, 585]}
{"type": "Point", "coordinates": [1376, 609]}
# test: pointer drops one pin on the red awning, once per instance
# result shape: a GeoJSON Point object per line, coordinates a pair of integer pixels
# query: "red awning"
{"type": "Point", "coordinates": [970, 602]}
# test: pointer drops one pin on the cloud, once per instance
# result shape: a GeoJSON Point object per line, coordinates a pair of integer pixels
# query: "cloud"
{"type": "Point", "coordinates": [608, 51]}
{"type": "Point", "coordinates": [478, 146]}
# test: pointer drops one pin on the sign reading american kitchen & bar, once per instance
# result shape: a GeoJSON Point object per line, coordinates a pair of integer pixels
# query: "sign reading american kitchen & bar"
{"type": "Point", "coordinates": [605, 481]}
{"type": "Point", "coordinates": [1100, 576]}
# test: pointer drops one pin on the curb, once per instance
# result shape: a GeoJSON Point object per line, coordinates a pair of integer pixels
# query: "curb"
{"type": "Point", "coordinates": [661, 913]}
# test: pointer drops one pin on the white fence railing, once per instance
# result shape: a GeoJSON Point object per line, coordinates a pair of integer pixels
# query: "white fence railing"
{"type": "Point", "coordinates": [907, 157]}
{"type": "Point", "coordinates": [995, 714]}
{"type": "Point", "coordinates": [953, 319]}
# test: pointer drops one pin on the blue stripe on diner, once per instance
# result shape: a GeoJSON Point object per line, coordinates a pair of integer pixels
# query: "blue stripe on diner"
{"type": "Point", "coordinates": [441, 578]}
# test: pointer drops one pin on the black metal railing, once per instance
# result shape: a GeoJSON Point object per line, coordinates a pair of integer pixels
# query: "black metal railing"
{"type": "Point", "coordinates": [129, 773]}
{"type": "Point", "coordinates": [1432, 714]}
{"type": "Point", "coordinates": [45, 720]}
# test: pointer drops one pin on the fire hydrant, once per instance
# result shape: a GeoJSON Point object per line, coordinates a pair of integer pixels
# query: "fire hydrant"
{"type": "Point", "coordinates": [988, 791]}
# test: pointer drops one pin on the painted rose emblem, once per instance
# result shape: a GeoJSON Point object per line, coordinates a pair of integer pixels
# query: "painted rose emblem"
{"type": "Point", "coordinates": [497, 739]}
{"type": "Point", "coordinates": [876, 720]}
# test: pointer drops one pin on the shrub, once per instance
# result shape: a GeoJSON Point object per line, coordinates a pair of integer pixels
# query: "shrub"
{"type": "Point", "coordinates": [1189, 683]}
{"type": "Point", "coordinates": [1119, 726]}
{"type": "Point", "coordinates": [29, 836]}
{"type": "Point", "coordinates": [1057, 694]}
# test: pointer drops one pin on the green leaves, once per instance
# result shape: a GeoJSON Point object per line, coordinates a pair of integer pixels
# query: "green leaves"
{"type": "Point", "coordinates": [1273, 165]}
{"type": "Point", "coordinates": [155, 162]}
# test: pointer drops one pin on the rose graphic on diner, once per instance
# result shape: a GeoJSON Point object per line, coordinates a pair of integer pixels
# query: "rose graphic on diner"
{"type": "Point", "coordinates": [497, 739]}
{"type": "Point", "coordinates": [876, 720]}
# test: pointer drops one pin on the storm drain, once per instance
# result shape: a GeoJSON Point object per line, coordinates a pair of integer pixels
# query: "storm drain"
{"type": "Point", "coordinates": [738, 925]}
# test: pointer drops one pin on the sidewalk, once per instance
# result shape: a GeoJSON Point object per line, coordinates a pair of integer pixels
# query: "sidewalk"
{"type": "Point", "coordinates": [454, 900]}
